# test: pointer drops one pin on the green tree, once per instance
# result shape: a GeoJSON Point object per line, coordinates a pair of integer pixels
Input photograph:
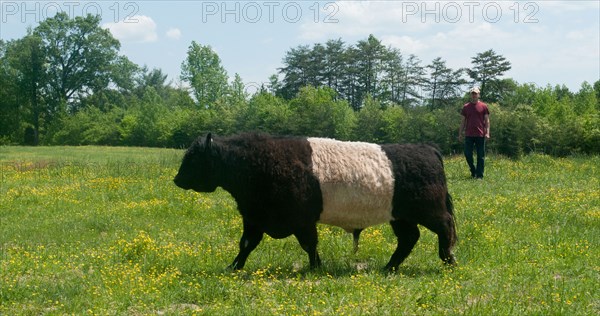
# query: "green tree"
{"type": "Point", "coordinates": [486, 68]}
{"type": "Point", "coordinates": [509, 136]}
{"type": "Point", "coordinates": [274, 87]}
{"type": "Point", "coordinates": [585, 105]}
{"type": "Point", "coordinates": [597, 91]}
{"type": "Point", "coordinates": [516, 94]}
{"type": "Point", "coordinates": [124, 90]}
{"type": "Point", "coordinates": [202, 69]}
{"type": "Point", "coordinates": [394, 117]}
{"type": "Point", "coordinates": [411, 82]}
{"type": "Point", "coordinates": [351, 90]}
{"type": "Point", "coordinates": [89, 126]}
{"type": "Point", "coordinates": [393, 72]}
{"type": "Point", "coordinates": [237, 95]}
{"type": "Point", "coordinates": [295, 71]}
{"type": "Point", "coordinates": [266, 113]}
{"type": "Point", "coordinates": [26, 59]}
{"type": "Point", "coordinates": [371, 122]}
{"type": "Point", "coordinates": [444, 84]}
{"type": "Point", "coordinates": [78, 54]}
{"type": "Point", "coordinates": [317, 113]}
{"type": "Point", "coordinates": [500, 90]}
{"type": "Point", "coordinates": [171, 96]}
{"type": "Point", "coordinates": [154, 78]}
{"type": "Point", "coordinates": [353, 72]}
{"type": "Point", "coordinates": [139, 125]}
{"type": "Point", "coordinates": [333, 65]}
{"type": "Point", "coordinates": [10, 113]}
{"type": "Point", "coordinates": [369, 64]}
{"type": "Point", "coordinates": [124, 74]}
{"type": "Point", "coordinates": [585, 100]}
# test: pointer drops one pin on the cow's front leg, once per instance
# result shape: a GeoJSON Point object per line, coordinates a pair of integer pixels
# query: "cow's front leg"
{"type": "Point", "coordinates": [308, 239]}
{"type": "Point", "coordinates": [251, 237]}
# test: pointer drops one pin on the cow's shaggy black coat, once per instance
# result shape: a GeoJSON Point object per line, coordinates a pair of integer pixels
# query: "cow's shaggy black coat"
{"type": "Point", "coordinates": [277, 192]}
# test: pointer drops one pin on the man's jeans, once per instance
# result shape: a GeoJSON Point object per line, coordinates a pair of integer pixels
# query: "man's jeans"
{"type": "Point", "coordinates": [479, 144]}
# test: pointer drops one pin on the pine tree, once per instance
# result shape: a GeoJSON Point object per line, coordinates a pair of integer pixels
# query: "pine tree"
{"type": "Point", "coordinates": [487, 68]}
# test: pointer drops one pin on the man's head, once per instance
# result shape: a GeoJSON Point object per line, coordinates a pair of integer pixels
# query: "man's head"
{"type": "Point", "coordinates": [474, 94]}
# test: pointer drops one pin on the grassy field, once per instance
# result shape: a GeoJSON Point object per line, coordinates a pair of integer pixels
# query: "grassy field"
{"type": "Point", "coordinates": [103, 231]}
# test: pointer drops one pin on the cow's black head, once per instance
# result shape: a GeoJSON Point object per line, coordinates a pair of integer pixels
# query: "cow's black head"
{"type": "Point", "coordinates": [197, 170]}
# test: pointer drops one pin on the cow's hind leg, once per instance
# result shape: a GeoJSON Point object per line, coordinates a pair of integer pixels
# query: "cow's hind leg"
{"type": "Point", "coordinates": [447, 240]}
{"type": "Point", "coordinates": [251, 237]}
{"type": "Point", "coordinates": [308, 239]}
{"type": "Point", "coordinates": [446, 231]}
{"type": "Point", "coordinates": [355, 239]}
{"type": "Point", "coordinates": [407, 234]}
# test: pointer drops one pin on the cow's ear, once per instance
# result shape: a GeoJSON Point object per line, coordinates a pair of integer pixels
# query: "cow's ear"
{"type": "Point", "coordinates": [208, 141]}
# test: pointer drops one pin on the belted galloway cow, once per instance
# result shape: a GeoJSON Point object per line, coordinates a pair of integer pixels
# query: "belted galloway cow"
{"type": "Point", "coordinates": [286, 185]}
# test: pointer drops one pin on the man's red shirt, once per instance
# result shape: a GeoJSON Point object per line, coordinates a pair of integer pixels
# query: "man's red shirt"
{"type": "Point", "coordinates": [474, 114]}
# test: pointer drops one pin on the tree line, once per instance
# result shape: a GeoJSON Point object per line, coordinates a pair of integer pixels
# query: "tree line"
{"type": "Point", "coordinates": [368, 68]}
{"type": "Point", "coordinates": [65, 83]}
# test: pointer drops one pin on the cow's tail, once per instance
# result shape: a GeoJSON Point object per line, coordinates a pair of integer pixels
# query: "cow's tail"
{"type": "Point", "coordinates": [449, 204]}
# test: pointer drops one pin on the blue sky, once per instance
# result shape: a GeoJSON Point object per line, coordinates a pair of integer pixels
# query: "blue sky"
{"type": "Point", "coordinates": [547, 42]}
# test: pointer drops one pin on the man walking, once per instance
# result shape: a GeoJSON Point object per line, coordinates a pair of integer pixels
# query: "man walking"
{"type": "Point", "coordinates": [475, 126]}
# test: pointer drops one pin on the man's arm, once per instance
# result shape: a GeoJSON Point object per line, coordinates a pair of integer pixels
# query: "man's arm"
{"type": "Point", "coordinates": [461, 130]}
{"type": "Point", "coordinates": [486, 119]}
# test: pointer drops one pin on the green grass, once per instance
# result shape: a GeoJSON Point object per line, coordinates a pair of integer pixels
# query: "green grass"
{"type": "Point", "coordinates": [98, 230]}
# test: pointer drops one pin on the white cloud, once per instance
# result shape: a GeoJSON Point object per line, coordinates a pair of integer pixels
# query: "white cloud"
{"type": "Point", "coordinates": [357, 19]}
{"type": "Point", "coordinates": [174, 33]}
{"type": "Point", "coordinates": [138, 28]}
{"type": "Point", "coordinates": [576, 35]}
{"type": "Point", "coordinates": [406, 44]}
{"type": "Point", "coordinates": [562, 6]}
{"type": "Point", "coordinates": [456, 44]}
